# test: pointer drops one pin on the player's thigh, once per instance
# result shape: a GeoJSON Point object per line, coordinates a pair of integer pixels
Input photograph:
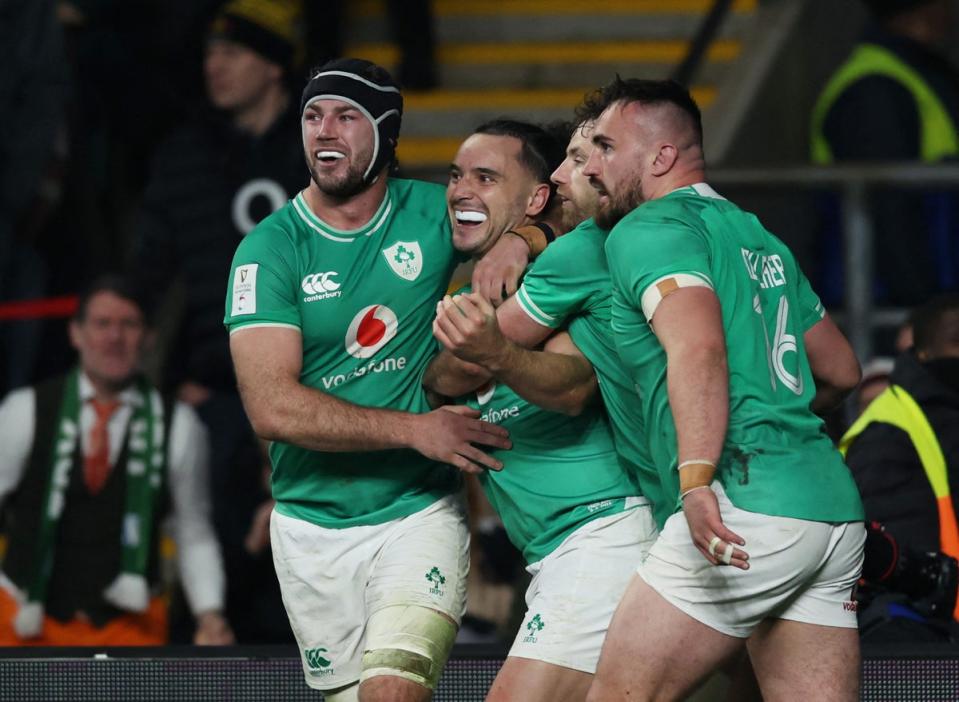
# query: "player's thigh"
{"type": "Point", "coordinates": [320, 572]}
{"type": "Point", "coordinates": [527, 680]}
{"type": "Point", "coordinates": [790, 656]}
{"type": "Point", "coordinates": [654, 651]}
{"type": "Point", "coordinates": [786, 556]}
{"type": "Point", "coordinates": [415, 597]}
{"type": "Point", "coordinates": [814, 639]}
{"type": "Point", "coordinates": [575, 589]}
{"type": "Point", "coordinates": [424, 562]}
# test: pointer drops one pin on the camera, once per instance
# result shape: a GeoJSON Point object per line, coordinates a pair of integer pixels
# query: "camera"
{"type": "Point", "coordinates": [928, 580]}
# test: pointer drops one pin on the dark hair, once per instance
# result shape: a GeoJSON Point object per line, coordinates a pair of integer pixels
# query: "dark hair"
{"type": "Point", "coordinates": [646, 92]}
{"type": "Point", "coordinates": [121, 286]}
{"type": "Point", "coordinates": [541, 152]}
{"type": "Point", "coordinates": [931, 324]}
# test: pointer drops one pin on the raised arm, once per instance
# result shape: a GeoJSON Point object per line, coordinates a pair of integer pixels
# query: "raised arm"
{"type": "Point", "coordinates": [268, 361]}
{"type": "Point", "coordinates": [833, 363]}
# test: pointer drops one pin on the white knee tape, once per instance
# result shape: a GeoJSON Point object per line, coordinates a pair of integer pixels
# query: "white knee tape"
{"type": "Point", "coordinates": [408, 641]}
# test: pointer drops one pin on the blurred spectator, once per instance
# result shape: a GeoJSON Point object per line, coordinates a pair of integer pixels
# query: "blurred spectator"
{"type": "Point", "coordinates": [875, 379]}
{"type": "Point", "coordinates": [126, 60]}
{"type": "Point", "coordinates": [32, 92]}
{"type": "Point", "coordinates": [411, 28]}
{"type": "Point", "coordinates": [92, 463]}
{"type": "Point", "coordinates": [897, 99]}
{"type": "Point", "coordinates": [904, 451]}
{"type": "Point", "coordinates": [210, 184]}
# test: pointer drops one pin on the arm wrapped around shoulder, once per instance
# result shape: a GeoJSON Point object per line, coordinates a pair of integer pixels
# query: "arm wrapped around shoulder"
{"type": "Point", "coordinates": [537, 236]}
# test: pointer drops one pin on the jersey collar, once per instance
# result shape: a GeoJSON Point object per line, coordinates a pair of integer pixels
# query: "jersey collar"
{"type": "Point", "coordinates": [346, 235]}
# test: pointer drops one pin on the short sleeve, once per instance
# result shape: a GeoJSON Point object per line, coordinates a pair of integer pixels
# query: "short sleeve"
{"type": "Point", "coordinates": [649, 260]}
{"type": "Point", "coordinates": [558, 284]}
{"type": "Point", "coordinates": [262, 287]}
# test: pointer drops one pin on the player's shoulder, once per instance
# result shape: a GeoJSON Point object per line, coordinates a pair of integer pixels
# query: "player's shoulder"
{"type": "Point", "coordinates": [431, 197]}
{"type": "Point", "coordinates": [578, 246]}
{"type": "Point", "coordinates": [282, 228]}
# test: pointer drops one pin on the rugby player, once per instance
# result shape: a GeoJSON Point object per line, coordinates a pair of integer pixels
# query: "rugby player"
{"type": "Point", "coordinates": [563, 496]}
{"type": "Point", "coordinates": [567, 287]}
{"type": "Point", "coordinates": [329, 311]}
{"type": "Point", "coordinates": [729, 347]}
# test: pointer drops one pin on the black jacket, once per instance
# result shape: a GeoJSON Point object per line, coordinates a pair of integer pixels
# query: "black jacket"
{"type": "Point", "coordinates": [207, 187]}
{"type": "Point", "coordinates": [877, 119]}
{"type": "Point", "coordinates": [894, 487]}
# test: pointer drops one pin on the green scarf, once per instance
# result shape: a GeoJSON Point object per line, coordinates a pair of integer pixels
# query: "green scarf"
{"type": "Point", "coordinates": [145, 468]}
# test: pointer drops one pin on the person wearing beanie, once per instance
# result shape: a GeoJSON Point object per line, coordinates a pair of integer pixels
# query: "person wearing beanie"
{"type": "Point", "coordinates": [330, 306]}
{"type": "Point", "coordinates": [896, 98]}
{"type": "Point", "coordinates": [210, 183]}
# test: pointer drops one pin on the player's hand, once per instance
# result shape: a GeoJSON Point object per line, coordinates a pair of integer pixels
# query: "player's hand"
{"type": "Point", "coordinates": [466, 325]}
{"type": "Point", "coordinates": [448, 434]}
{"type": "Point", "coordinates": [500, 269]}
{"type": "Point", "coordinates": [705, 523]}
{"type": "Point", "coordinates": [212, 629]}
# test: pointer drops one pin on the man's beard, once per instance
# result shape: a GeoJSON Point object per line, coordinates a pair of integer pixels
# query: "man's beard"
{"type": "Point", "coordinates": [346, 186]}
{"type": "Point", "coordinates": [628, 199]}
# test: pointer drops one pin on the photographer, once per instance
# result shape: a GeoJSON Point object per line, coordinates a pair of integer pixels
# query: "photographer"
{"type": "Point", "coordinates": [903, 452]}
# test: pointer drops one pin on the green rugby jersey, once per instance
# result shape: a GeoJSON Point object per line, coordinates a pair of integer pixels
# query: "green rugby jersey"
{"type": "Point", "coordinates": [364, 301]}
{"type": "Point", "coordinates": [570, 282]}
{"type": "Point", "coordinates": [561, 472]}
{"type": "Point", "coordinates": [777, 458]}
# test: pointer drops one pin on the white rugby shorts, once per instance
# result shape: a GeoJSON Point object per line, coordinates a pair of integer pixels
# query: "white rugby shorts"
{"type": "Point", "coordinates": [332, 580]}
{"type": "Point", "coordinates": [799, 570]}
{"type": "Point", "coordinates": [577, 587]}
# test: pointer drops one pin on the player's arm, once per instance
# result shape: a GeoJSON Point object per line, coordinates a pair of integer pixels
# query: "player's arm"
{"type": "Point", "coordinates": [559, 379]}
{"type": "Point", "coordinates": [688, 323]}
{"type": "Point", "coordinates": [833, 363]}
{"type": "Point", "coordinates": [496, 276]}
{"type": "Point", "coordinates": [832, 360]}
{"type": "Point", "coordinates": [268, 361]}
{"type": "Point", "coordinates": [450, 376]}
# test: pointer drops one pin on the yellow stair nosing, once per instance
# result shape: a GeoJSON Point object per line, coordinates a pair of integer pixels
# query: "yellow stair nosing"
{"type": "Point", "coordinates": [468, 8]}
{"type": "Point", "coordinates": [659, 51]}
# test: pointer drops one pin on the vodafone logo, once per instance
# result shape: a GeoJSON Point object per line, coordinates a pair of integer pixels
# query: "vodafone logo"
{"type": "Point", "coordinates": [369, 331]}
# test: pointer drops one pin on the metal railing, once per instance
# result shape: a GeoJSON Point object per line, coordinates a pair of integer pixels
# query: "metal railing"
{"type": "Point", "coordinates": [852, 183]}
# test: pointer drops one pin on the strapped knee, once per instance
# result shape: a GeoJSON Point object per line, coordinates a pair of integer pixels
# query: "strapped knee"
{"type": "Point", "coordinates": [408, 641]}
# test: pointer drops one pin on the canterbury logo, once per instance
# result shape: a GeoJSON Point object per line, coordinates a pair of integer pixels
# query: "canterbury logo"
{"type": "Point", "coordinates": [320, 283]}
{"type": "Point", "coordinates": [315, 660]}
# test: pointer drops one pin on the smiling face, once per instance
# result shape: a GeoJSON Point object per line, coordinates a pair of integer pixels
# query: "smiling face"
{"type": "Point", "coordinates": [338, 144]}
{"type": "Point", "coordinates": [489, 192]}
{"type": "Point", "coordinates": [617, 168]}
{"type": "Point", "coordinates": [577, 197]}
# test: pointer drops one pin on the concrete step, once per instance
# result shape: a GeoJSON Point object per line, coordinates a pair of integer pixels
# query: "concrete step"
{"type": "Point", "coordinates": [434, 124]}
{"type": "Point", "coordinates": [561, 27]}
{"type": "Point", "coordinates": [556, 64]}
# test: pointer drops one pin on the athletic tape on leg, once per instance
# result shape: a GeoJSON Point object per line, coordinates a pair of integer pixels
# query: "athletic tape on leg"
{"type": "Point", "coordinates": [408, 641]}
